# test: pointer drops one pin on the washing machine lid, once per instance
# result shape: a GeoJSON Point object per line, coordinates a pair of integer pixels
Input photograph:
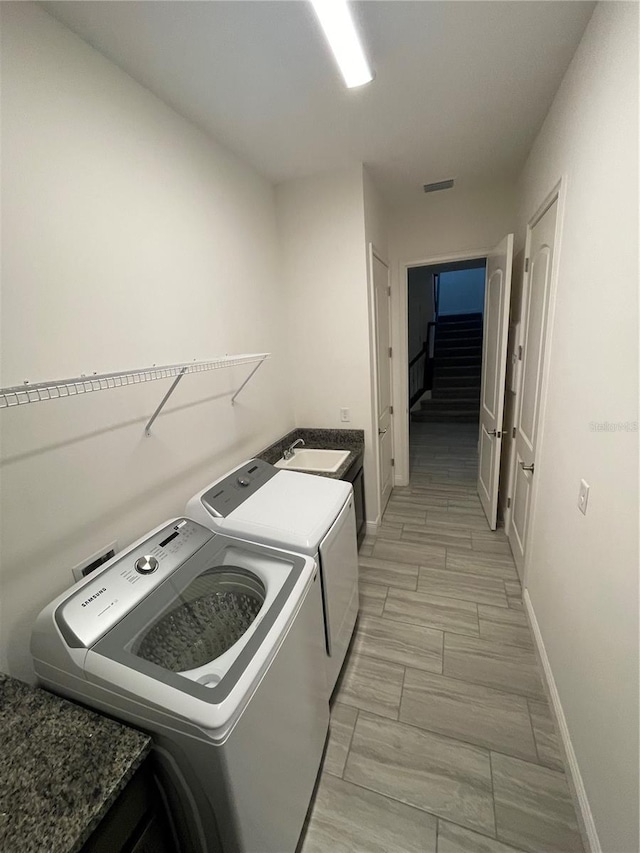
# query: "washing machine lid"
{"type": "Point", "coordinates": [218, 616]}
{"type": "Point", "coordinates": [185, 620]}
{"type": "Point", "coordinates": [290, 510]}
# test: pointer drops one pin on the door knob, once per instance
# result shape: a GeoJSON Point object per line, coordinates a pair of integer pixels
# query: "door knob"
{"type": "Point", "coordinates": [494, 432]}
{"type": "Point", "coordinates": [382, 431]}
{"type": "Point", "coordinates": [527, 467]}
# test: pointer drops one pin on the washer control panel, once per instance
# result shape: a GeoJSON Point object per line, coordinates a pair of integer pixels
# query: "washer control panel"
{"type": "Point", "coordinates": [123, 582]}
{"type": "Point", "coordinates": [227, 494]}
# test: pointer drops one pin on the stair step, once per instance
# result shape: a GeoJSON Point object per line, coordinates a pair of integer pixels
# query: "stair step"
{"type": "Point", "coordinates": [456, 360]}
{"type": "Point", "coordinates": [444, 417]}
{"type": "Point", "coordinates": [459, 343]}
{"type": "Point", "coordinates": [468, 394]}
{"type": "Point", "coordinates": [462, 341]}
{"type": "Point", "coordinates": [460, 324]}
{"type": "Point", "coordinates": [447, 354]}
{"type": "Point", "coordinates": [454, 333]}
{"type": "Point", "coordinates": [451, 403]}
{"type": "Point", "coordinates": [446, 369]}
{"type": "Point", "coordinates": [456, 382]}
{"type": "Point", "coordinates": [449, 319]}
{"type": "Point", "coordinates": [450, 328]}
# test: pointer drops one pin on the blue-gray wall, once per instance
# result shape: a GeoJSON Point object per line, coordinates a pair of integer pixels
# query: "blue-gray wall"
{"type": "Point", "coordinates": [461, 292]}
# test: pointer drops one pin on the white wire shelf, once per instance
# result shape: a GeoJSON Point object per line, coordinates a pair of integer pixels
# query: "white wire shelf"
{"type": "Point", "coordinates": [39, 392]}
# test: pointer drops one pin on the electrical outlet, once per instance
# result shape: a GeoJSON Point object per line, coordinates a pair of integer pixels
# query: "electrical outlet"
{"type": "Point", "coordinates": [345, 416]}
{"type": "Point", "coordinates": [583, 497]}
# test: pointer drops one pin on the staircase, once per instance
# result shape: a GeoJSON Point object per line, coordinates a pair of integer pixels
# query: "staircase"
{"type": "Point", "coordinates": [457, 364]}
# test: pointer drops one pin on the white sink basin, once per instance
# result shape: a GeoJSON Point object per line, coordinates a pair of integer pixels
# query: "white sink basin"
{"type": "Point", "coordinates": [307, 459]}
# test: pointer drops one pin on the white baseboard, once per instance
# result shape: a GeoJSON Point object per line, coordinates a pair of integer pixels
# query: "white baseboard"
{"type": "Point", "coordinates": [574, 777]}
{"type": "Point", "coordinates": [372, 528]}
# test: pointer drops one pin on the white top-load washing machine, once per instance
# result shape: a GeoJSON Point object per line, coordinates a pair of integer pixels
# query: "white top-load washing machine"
{"type": "Point", "coordinates": [301, 512]}
{"type": "Point", "coordinates": [215, 647]}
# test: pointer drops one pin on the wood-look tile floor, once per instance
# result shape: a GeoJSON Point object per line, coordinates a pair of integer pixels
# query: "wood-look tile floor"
{"type": "Point", "coordinates": [441, 737]}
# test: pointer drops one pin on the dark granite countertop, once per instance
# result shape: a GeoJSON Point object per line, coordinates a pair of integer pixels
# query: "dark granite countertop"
{"type": "Point", "coordinates": [62, 768]}
{"type": "Point", "coordinates": [325, 439]}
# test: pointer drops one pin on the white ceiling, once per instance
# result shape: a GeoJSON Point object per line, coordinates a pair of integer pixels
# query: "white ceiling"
{"type": "Point", "coordinates": [461, 88]}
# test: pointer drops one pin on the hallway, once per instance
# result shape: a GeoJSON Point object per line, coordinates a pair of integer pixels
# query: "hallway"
{"type": "Point", "coordinates": [441, 737]}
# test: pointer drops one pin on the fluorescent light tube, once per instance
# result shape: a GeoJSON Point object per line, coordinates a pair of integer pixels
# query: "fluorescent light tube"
{"type": "Point", "coordinates": [337, 23]}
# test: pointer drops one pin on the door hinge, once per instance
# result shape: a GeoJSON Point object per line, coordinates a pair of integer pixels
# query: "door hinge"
{"type": "Point", "coordinates": [508, 502]}
{"type": "Point", "coordinates": [390, 352]}
{"type": "Point", "coordinates": [513, 433]}
{"type": "Point", "coordinates": [393, 462]}
{"type": "Point", "coordinates": [389, 290]}
{"type": "Point", "coordinates": [519, 353]}
{"type": "Point", "coordinates": [526, 264]}
{"type": "Point", "coordinates": [390, 410]}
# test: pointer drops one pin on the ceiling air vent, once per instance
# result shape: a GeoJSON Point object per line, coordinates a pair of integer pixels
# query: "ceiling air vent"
{"type": "Point", "coordinates": [438, 185]}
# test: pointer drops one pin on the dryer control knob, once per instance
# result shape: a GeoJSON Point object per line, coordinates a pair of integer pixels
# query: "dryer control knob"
{"type": "Point", "coordinates": [145, 565]}
{"type": "Point", "coordinates": [244, 481]}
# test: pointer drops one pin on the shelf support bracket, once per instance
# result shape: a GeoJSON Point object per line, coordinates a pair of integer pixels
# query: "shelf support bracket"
{"type": "Point", "coordinates": [233, 399]}
{"type": "Point", "coordinates": [173, 387]}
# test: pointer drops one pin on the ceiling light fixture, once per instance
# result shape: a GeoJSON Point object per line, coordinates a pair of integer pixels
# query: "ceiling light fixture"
{"type": "Point", "coordinates": [337, 23]}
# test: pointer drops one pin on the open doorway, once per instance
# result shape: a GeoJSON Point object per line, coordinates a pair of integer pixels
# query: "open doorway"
{"type": "Point", "coordinates": [458, 443]}
{"type": "Point", "coordinates": [445, 325]}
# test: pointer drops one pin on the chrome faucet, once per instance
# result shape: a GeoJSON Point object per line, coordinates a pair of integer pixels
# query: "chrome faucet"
{"type": "Point", "coordinates": [288, 454]}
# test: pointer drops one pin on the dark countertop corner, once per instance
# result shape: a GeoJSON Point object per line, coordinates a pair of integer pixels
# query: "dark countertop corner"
{"type": "Point", "coordinates": [325, 439]}
{"type": "Point", "coordinates": [63, 766]}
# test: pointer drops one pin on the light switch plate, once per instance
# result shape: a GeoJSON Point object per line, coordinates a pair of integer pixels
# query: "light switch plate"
{"type": "Point", "coordinates": [345, 416]}
{"type": "Point", "coordinates": [583, 497]}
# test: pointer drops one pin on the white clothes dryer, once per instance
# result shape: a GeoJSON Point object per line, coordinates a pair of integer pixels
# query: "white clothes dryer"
{"type": "Point", "coordinates": [213, 646]}
{"type": "Point", "coordinates": [299, 512]}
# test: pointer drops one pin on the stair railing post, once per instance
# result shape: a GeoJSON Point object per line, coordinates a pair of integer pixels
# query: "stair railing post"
{"type": "Point", "coordinates": [425, 372]}
{"type": "Point", "coordinates": [428, 361]}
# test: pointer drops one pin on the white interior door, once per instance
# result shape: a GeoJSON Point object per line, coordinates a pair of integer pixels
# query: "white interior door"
{"type": "Point", "coordinates": [382, 301]}
{"type": "Point", "coordinates": [497, 296]}
{"type": "Point", "coordinates": [536, 306]}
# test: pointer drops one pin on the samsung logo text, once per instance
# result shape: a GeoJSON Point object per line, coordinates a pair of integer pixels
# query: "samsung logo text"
{"type": "Point", "coordinates": [95, 595]}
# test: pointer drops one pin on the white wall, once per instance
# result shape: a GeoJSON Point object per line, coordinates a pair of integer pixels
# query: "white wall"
{"type": "Point", "coordinates": [450, 222]}
{"type": "Point", "coordinates": [322, 228]}
{"type": "Point", "coordinates": [376, 216]}
{"type": "Point", "coordinates": [439, 226]}
{"type": "Point", "coordinates": [129, 238]}
{"type": "Point", "coordinates": [582, 572]}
